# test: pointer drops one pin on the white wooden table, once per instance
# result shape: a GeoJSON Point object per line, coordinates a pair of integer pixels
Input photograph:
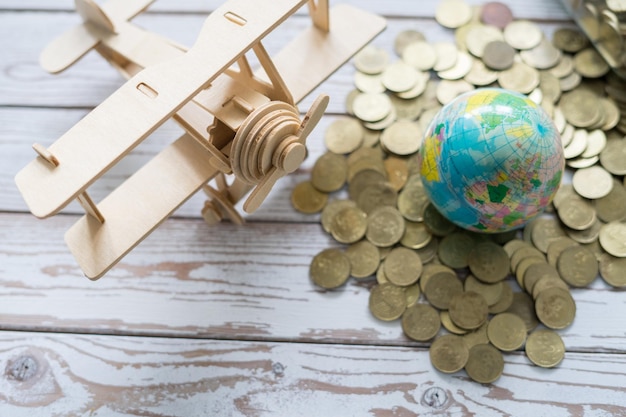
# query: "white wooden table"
{"type": "Point", "coordinates": [224, 321]}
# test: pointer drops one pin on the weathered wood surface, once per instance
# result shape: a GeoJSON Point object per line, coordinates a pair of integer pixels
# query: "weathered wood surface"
{"type": "Point", "coordinates": [70, 375]}
{"type": "Point", "coordinates": [245, 332]}
{"type": "Point", "coordinates": [535, 9]}
{"type": "Point", "coordinates": [228, 282]}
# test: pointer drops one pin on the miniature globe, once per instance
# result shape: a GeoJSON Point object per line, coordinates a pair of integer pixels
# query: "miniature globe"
{"type": "Point", "coordinates": [491, 160]}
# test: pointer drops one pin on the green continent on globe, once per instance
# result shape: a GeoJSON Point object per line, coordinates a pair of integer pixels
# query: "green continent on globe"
{"type": "Point", "coordinates": [491, 160]}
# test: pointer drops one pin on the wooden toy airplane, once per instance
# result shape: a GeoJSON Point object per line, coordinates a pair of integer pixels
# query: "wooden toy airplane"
{"type": "Point", "coordinates": [236, 120]}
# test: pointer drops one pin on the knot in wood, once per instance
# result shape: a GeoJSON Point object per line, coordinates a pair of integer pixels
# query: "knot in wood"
{"type": "Point", "coordinates": [435, 397]}
{"type": "Point", "coordinates": [278, 368]}
{"type": "Point", "coordinates": [22, 369]}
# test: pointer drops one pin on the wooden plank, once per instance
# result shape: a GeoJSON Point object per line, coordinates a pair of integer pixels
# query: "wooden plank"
{"type": "Point", "coordinates": [231, 282]}
{"type": "Point", "coordinates": [526, 9]}
{"type": "Point", "coordinates": [92, 80]}
{"type": "Point", "coordinates": [123, 376]}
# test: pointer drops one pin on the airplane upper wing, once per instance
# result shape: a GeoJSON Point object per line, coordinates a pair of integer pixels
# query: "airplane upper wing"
{"type": "Point", "coordinates": [144, 102]}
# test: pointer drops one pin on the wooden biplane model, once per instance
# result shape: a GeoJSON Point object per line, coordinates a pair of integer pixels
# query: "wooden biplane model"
{"type": "Point", "coordinates": [237, 120]}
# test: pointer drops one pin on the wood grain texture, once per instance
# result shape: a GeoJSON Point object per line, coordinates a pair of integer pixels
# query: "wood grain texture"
{"type": "Point", "coordinates": [183, 277]}
{"type": "Point", "coordinates": [67, 375]}
{"type": "Point", "coordinates": [224, 321]}
{"type": "Point", "coordinates": [526, 9]}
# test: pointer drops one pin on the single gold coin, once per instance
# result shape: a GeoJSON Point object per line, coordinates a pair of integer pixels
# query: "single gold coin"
{"type": "Point", "coordinates": [420, 322]}
{"type": "Point", "coordinates": [397, 172]}
{"type": "Point", "coordinates": [555, 308]}
{"type": "Point", "coordinates": [330, 210]}
{"type": "Point", "coordinates": [613, 238]}
{"type": "Point", "coordinates": [498, 55]}
{"type": "Point", "coordinates": [519, 77]}
{"type": "Point", "coordinates": [576, 213]}
{"type": "Point", "coordinates": [375, 196]}
{"type": "Point", "coordinates": [385, 226]}
{"type": "Point", "coordinates": [416, 235]}
{"type": "Point", "coordinates": [563, 68]}
{"type": "Point", "coordinates": [569, 39]}
{"type": "Point", "coordinates": [349, 225]}
{"type": "Point", "coordinates": [570, 82]}
{"type": "Point", "coordinates": [364, 259]}
{"type": "Point", "coordinates": [492, 293]}
{"type": "Point", "coordinates": [371, 60]}
{"type": "Point", "coordinates": [343, 135]}
{"type": "Point", "coordinates": [468, 310]}
{"type": "Point", "coordinates": [479, 75]}
{"type": "Point", "coordinates": [387, 302]}
{"type": "Point", "coordinates": [485, 363]}
{"type": "Point", "coordinates": [593, 182]}
{"type": "Point", "coordinates": [329, 172]}
{"type": "Point", "coordinates": [580, 107]}
{"type": "Point", "coordinates": [613, 156]}
{"type": "Point", "coordinates": [546, 230]}
{"type": "Point", "coordinates": [543, 56]}
{"type": "Point", "coordinates": [612, 207]}
{"type": "Point", "coordinates": [448, 353]}
{"type": "Point", "coordinates": [330, 268]}
{"type": "Point", "coordinates": [523, 306]}
{"type": "Point", "coordinates": [613, 270]}
{"type": "Point", "coordinates": [589, 63]}
{"type": "Point", "coordinates": [453, 13]}
{"type": "Point", "coordinates": [505, 301]}
{"type": "Point", "coordinates": [577, 266]}
{"type": "Point", "coordinates": [403, 267]}
{"type": "Point", "coordinates": [307, 199]}
{"type": "Point", "coordinates": [506, 331]}
{"type": "Point", "coordinates": [489, 262]}
{"type": "Point", "coordinates": [454, 250]}
{"type": "Point", "coordinates": [412, 201]}
{"type": "Point", "coordinates": [367, 83]}
{"type": "Point", "coordinates": [495, 13]}
{"type": "Point", "coordinates": [440, 289]}
{"type": "Point", "coordinates": [545, 348]}
{"type": "Point", "coordinates": [420, 55]}
{"type": "Point", "coordinates": [363, 179]}
{"type": "Point", "coordinates": [403, 137]}
{"type": "Point", "coordinates": [523, 34]}
{"type": "Point", "coordinates": [399, 76]}
{"type": "Point", "coordinates": [372, 107]}
{"type": "Point", "coordinates": [577, 145]}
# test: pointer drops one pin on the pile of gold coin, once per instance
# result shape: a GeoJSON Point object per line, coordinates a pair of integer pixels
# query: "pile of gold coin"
{"type": "Point", "coordinates": [473, 295]}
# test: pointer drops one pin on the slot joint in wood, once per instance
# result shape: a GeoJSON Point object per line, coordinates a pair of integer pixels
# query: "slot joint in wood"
{"type": "Point", "coordinates": [46, 155]}
{"type": "Point", "coordinates": [90, 207]}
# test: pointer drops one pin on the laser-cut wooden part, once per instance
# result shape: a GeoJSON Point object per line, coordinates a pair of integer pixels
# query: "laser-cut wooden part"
{"type": "Point", "coordinates": [236, 120]}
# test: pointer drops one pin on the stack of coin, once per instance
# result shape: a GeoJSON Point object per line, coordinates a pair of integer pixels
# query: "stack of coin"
{"type": "Point", "coordinates": [490, 293]}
